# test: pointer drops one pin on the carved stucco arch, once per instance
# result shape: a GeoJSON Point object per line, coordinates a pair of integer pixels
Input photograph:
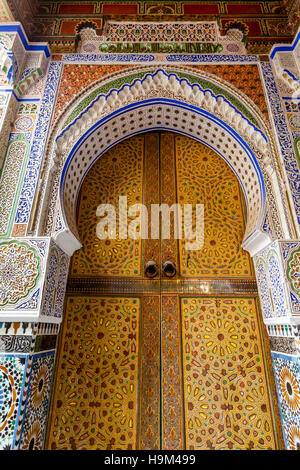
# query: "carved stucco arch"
{"type": "Point", "coordinates": [161, 100]}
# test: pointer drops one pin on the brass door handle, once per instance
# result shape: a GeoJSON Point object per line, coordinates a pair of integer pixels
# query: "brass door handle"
{"type": "Point", "coordinates": [169, 269]}
{"type": "Point", "coordinates": [151, 269]}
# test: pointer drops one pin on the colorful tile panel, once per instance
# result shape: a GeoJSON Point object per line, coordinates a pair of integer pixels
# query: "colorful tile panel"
{"type": "Point", "coordinates": [287, 376]}
{"type": "Point", "coordinates": [12, 379]}
{"type": "Point", "coordinates": [32, 169]}
{"type": "Point", "coordinates": [244, 77]}
{"type": "Point", "coordinates": [75, 78]}
{"type": "Point", "coordinates": [37, 403]}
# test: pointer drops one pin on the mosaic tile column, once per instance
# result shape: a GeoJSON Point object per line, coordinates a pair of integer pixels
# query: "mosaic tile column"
{"type": "Point", "coordinates": [33, 276]}
{"type": "Point", "coordinates": [33, 271]}
{"type": "Point", "coordinates": [278, 277]}
{"type": "Point", "coordinates": [21, 65]}
{"type": "Point", "coordinates": [27, 352]}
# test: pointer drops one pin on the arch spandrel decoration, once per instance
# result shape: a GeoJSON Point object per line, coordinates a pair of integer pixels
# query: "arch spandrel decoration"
{"type": "Point", "coordinates": [161, 101]}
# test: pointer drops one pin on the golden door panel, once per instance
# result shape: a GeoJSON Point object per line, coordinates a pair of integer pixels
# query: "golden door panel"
{"type": "Point", "coordinates": [163, 168]}
{"type": "Point", "coordinates": [96, 391]}
{"type": "Point", "coordinates": [119, 172]}
{"type": "Point", "coordinates": [203, 177]}
{"type": "Point", "coordinates": [226, 385]}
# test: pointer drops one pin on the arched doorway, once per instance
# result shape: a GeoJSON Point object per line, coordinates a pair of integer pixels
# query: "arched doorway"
{"type": "Point", "coordinates": [177, 362]}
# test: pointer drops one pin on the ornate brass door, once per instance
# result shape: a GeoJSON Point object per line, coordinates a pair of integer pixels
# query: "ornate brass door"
{"type": "Point", "coordinates": [177, 362]}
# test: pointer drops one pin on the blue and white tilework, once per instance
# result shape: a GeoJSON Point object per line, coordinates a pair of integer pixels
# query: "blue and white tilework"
{"type": "Point", "coordinates": [38, 145]}
{"type": "Point", "coordinates": [271, 283]}
{"type": "Point", "coordinates": [284, 138]}
{"type": "Point", "coordinates": [55, 283]}
{"type": "Point", "coordinates": [278, 279]}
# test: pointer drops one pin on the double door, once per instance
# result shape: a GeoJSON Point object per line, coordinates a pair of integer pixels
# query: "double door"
{"type": "Point", "coordinates": [162, 347]}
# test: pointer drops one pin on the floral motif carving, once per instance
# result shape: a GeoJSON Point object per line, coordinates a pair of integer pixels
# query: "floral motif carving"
{"type": "Point", "coordinates": [19, 271]}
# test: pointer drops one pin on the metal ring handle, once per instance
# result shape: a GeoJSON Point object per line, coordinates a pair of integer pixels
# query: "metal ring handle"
{"type": "Point", "coordinates": [151, 269]}
{"type": "Point", "coordinates": [169, 269]}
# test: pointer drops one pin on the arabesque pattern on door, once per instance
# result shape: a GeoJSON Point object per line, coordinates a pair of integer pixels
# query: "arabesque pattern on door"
{"type": "Point", "coordinates": [169, 366]}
